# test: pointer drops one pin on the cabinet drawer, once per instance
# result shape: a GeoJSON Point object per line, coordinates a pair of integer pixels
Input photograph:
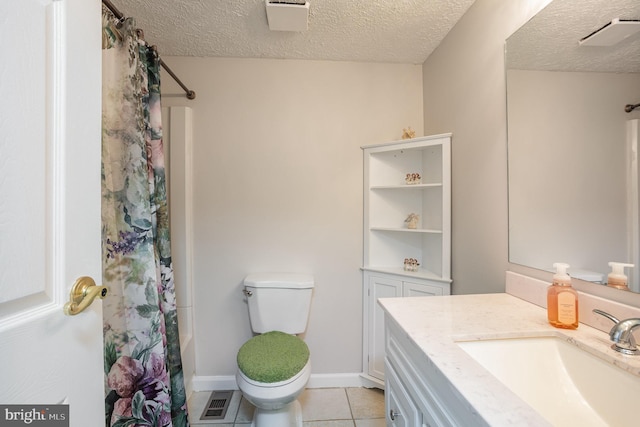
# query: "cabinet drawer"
{"type": "Point", "coordinates": [400, 409]}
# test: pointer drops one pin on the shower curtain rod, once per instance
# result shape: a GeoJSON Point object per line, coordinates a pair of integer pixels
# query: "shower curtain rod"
{"type": "Point", "coordinates": [190, 94]}
{"type": "Point", "coordinates": [630, 107]}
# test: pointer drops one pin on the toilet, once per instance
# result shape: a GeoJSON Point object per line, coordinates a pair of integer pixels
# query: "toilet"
{"type": "Point", "coordinates": [274, 366]}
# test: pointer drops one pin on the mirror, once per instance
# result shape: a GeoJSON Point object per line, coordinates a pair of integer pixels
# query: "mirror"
{"type": "Point", "coordinates": [573, 175]}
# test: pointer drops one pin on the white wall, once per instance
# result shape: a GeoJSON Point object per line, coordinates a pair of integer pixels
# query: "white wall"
{"type": "Point", "coordinates": [464, 93]}
{"type": "Point", "coordinates": [278, 186]}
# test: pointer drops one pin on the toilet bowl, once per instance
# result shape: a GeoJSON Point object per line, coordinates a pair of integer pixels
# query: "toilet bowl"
{"type": "Point", "coordinates": [276, 403]}
{"type": "Point", "coordinates": [273, 395]}
{"type": "Point", "coordinates": [274, 366]}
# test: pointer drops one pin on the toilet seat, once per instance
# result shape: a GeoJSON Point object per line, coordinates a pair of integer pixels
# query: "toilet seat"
{"type": "Point", "coordinates": [273, 357]}
{"type": "Point", "coordinates": [304, 372]}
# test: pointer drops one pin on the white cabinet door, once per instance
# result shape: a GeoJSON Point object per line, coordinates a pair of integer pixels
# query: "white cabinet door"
{"type": "Point", "coordinates": [386, 286]}
{"type": "Point", "coordinates": [50, 205]}
{"type": "Point", "coordinates": [379, 287]}
{"type": "Point", "coordinates": [411, 289]}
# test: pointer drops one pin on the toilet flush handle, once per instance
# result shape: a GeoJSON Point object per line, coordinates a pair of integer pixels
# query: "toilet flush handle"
{"type": "Point", "coordinates": [247, 292]}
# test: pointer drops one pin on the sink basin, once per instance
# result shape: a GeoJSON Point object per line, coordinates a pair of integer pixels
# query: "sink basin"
{"type": "Point", "coordinates": [565, 384]}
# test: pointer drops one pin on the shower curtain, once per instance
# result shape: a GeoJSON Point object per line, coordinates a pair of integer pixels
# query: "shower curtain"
{"type": "Point", "coordinates": [144, 384]}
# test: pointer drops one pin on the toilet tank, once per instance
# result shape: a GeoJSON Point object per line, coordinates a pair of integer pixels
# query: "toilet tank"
{"type": "Point", "coordinates": [279, 301]}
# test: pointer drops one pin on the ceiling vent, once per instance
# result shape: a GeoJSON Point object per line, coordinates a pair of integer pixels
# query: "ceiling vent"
{"type": "Point", "coordinates": [612, 33]}
{"type": "Point", "coordinates": [289, 15]}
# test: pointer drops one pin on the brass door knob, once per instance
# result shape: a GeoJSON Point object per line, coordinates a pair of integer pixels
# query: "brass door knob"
{"type": "Point", "coordinates": [82, 294]}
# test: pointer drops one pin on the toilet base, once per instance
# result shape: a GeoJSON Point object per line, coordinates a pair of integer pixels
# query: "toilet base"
{"type": "Point", "coordinates": [288, 416]}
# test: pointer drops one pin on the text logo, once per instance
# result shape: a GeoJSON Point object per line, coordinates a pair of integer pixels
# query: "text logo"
{"type": "Point", "coordinates": [34, 415]}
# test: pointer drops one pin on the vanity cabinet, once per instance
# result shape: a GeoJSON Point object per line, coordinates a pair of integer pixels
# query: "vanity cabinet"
{"type": "Point", "coordinates": [389, 200]}
{"type": "Point", "coordinates": [417, 394]}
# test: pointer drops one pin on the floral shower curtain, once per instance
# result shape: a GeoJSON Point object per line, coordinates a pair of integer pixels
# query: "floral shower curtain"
{"type": "Point", "coordinates": [143, 369]}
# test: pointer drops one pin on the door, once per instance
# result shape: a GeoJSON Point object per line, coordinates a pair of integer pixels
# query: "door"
{"type": "Point", "coordinates": [50, 116]}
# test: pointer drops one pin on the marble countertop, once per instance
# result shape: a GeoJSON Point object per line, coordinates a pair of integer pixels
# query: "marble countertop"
{"type": "Point", "coordinates": [435, 324]}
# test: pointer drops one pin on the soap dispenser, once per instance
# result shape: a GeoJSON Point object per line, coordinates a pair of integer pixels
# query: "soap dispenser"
{"type": "Point", "coordinates": [562, 300]}
{"type": "Point", "coordinates": [617, 278]}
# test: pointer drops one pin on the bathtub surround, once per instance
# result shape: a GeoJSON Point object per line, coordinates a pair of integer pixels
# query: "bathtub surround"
{"type": "Point", "coordinates": [177, 125]}
{"type": "Point", "coordinates": [142, 361]}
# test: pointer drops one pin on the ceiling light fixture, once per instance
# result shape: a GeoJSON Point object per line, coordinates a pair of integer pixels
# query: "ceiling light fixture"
{"type": "Point", "coordinates": [612, 33]}
{"type": "Point", "coordinates": [289, 15]}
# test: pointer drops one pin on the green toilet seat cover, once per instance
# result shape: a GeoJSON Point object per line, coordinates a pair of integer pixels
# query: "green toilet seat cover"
{"type": "Point", "coordinates": [272, 357]}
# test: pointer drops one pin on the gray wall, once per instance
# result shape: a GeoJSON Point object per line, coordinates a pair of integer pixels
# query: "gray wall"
{"type": "Point", "coordinates": [278, 175]}
{"type": "Point", "coordinates": [464, 93]}
{"type": "Point", "coordinates": [278, 187]}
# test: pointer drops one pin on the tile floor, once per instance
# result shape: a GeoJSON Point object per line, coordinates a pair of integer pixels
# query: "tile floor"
{"type": "Point", "coordinates": [321, 407]}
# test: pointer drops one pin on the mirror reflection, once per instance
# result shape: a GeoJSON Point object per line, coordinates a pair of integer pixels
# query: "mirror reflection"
{"type": "Point", "coordinates": [573, 174]}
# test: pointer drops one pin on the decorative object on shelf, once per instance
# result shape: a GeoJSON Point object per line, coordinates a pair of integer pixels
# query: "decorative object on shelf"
{"type": "Point", "coordinates": [411, 264]}
{"type": "Point", "coordinates": [408, 133]}
{"type": "Point", "coordinates": [412, 178]}
{"type": "Point", "coordinates": [412, 221]}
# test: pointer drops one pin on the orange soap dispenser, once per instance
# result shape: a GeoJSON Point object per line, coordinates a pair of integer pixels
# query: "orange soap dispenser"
{"type": "Point", "coordinates": [562, 300]}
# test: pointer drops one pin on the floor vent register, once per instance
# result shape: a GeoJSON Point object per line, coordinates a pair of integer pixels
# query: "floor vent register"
{"type": "Point", "coordinates": [216, 407]}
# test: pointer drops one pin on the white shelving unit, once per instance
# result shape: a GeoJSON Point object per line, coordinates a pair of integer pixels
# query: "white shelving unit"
{"type": "Point", "coordinates": [388, 201]}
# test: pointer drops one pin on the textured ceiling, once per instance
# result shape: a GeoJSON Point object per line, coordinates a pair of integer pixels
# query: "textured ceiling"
{"type": "Point", "coordinates": [402, 31]}
{"type": "Point", "coordinates": [549, 41]}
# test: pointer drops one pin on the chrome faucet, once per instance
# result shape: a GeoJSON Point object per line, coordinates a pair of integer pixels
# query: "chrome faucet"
{"type": "Point", "coordinates": [622, 333]}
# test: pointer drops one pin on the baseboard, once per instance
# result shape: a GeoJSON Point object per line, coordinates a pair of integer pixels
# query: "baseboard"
{"type": "Point", "coordinates": [228, 382]}
{"type": "Point", "coordinates": [371, 382]}
{"type": "Point", "coordinates": [335, 380]}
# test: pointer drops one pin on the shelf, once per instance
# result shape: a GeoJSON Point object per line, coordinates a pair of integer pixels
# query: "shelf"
{"type": "Point", "coordinates": [406, 186]}
{"type": "Point", "coordinates": [400, 271]}
{"type": "Point", "coordinates": [388, 202]}
{"type": "Point", "coordinates": [407, 230]}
